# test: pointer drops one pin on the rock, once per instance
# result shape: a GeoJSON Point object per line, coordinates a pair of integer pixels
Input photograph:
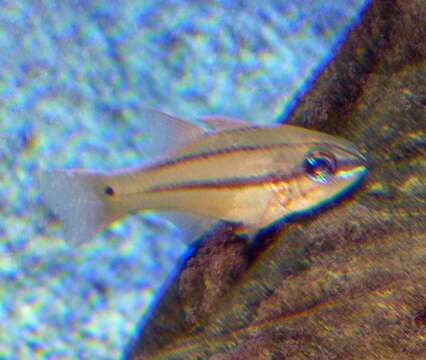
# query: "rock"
{"type": "Point", "coordinates": [350, 282]}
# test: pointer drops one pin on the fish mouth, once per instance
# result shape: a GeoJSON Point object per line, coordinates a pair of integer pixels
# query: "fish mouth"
{"type": "Point", "coordinates": [352, 155]}
{"type": "Point", "coordinates": [353, 167]}
{"type": "Point", "coordinates": [362, 159]}
{"type": "Point", "coordinates": [356, 157]}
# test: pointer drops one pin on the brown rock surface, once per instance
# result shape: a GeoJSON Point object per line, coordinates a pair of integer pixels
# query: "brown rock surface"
{"type": "Point", "coordinates": [350, 282]}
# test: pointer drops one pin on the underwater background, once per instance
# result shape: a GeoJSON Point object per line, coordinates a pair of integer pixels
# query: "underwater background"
{"type": "Point", "coordinates": [74, 75]}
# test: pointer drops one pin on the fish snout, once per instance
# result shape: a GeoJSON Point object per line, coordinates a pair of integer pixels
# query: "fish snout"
{"type": "Point", "coordinates": [362, 159]}
{"type": "Point", "coordinates": [353, 165]}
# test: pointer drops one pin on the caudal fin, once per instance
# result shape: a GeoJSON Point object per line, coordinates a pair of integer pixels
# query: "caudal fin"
{"type": "Point", "coordinates": [76, 197]}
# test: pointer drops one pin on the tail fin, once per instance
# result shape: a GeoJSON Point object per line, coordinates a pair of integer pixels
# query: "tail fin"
{"type": "Point", "coordinates": [77, 197]}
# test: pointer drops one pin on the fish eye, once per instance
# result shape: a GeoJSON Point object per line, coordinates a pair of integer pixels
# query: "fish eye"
{"type": "Point", "coordinates": [319, 165]}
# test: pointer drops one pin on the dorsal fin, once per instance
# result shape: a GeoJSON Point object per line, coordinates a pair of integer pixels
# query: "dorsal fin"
{"type": "Point", "coordinates": [164, 134]}
{"type": "Point", "coordinates": [221, 123]}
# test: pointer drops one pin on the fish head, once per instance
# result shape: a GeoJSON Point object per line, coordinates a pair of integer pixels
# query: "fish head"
{"type": "Point", "coordinates": [326, 168]}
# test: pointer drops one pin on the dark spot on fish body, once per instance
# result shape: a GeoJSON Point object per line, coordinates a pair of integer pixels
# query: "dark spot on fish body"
{"type": "Point", "coordinates": [108, 190]}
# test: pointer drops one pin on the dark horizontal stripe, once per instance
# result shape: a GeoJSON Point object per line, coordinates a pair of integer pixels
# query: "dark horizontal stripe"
{"type": "Point", "coordinates": [207, 154]}
{"type": "Point", "coordinates": [239, 182]}
{"type": "Point", "coordinates": [230, 183]}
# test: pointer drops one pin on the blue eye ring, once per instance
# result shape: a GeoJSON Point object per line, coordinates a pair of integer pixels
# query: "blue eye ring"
{"type": "Point", "coordinates": [320, 165]}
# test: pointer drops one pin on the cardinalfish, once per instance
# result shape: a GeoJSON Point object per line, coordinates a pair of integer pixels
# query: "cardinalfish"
{"type": "Point", "coordinates": [227, 170]}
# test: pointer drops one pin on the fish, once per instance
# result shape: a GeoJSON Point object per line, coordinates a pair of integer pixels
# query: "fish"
{"type": "Point", "coordinates": [219, 169]}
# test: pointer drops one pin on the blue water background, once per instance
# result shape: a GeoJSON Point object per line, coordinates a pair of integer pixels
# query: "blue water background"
{"type": "Point", "coordinates": [74, 75]}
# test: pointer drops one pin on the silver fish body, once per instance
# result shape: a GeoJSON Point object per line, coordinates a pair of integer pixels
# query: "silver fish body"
{"type": "Point", "coordinates": [241, 173]}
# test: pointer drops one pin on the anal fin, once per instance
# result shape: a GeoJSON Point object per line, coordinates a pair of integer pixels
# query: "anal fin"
{"type": "Point", "coordinates": [191, 226]}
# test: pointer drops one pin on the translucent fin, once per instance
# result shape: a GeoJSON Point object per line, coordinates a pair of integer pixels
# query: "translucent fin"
{"type": "Point", "coordinates": [165, 134]}
{"type": "Point", "coordinates": [76, 196]}
{"type": "Point", "coordinates": [220, 123]}
{"type": "Point", "coordinates": [191, 226]}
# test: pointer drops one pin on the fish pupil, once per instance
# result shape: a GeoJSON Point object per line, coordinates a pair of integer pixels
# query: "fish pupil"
{"type": "Point", "coordinates": [320, 165]}
{"type": "Point", "coordinates": [109, 191]}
